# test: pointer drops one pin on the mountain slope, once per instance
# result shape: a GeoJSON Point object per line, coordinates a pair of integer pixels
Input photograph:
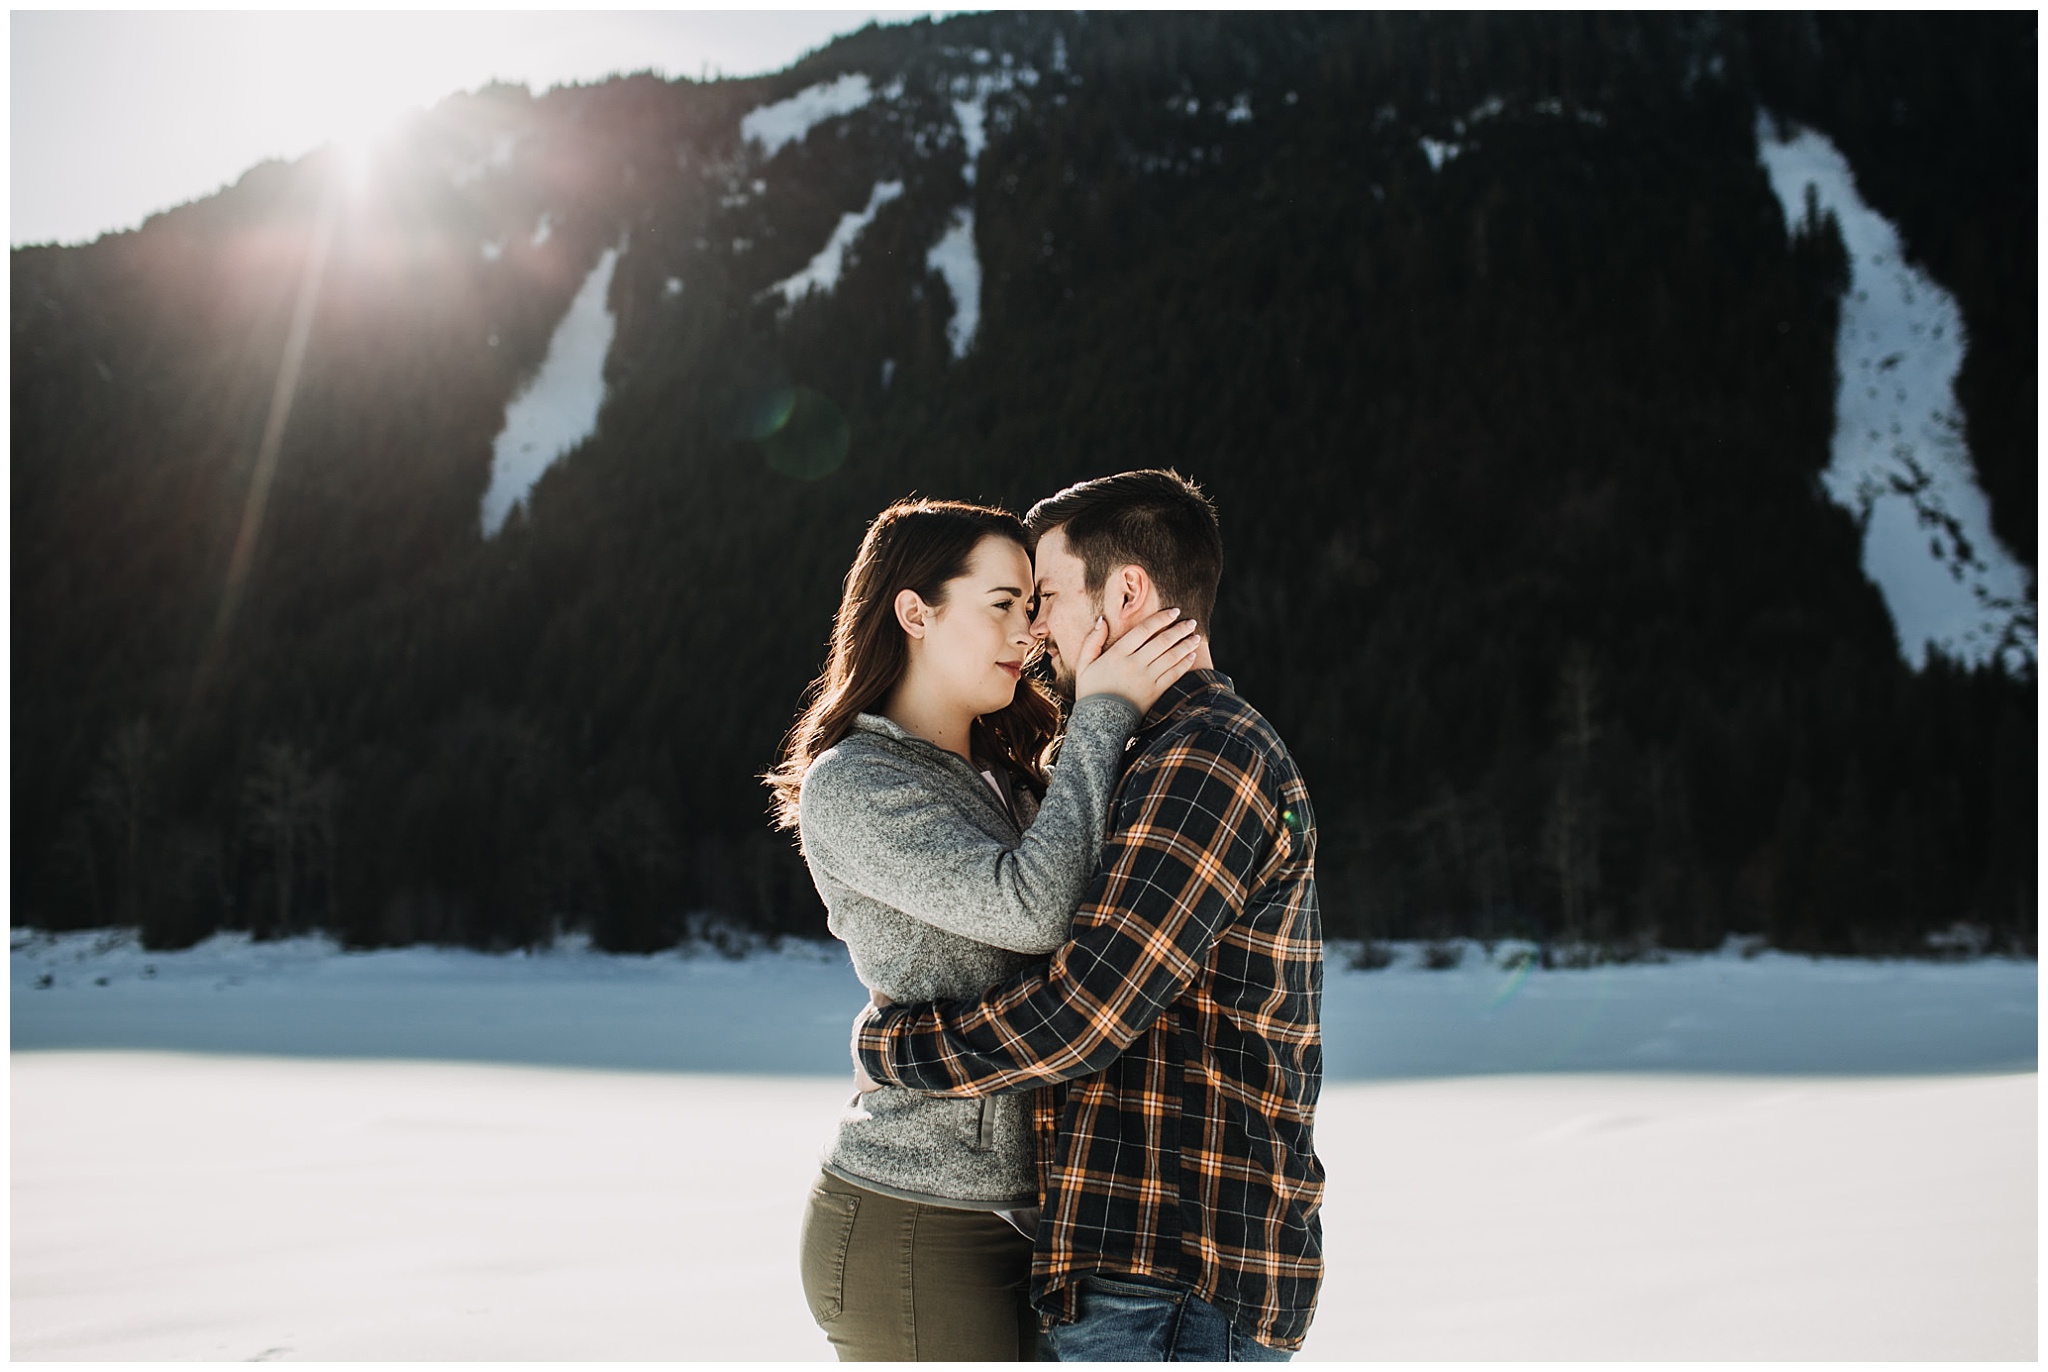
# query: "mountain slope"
{"type": "Point", "coordinates": [1487, 332]}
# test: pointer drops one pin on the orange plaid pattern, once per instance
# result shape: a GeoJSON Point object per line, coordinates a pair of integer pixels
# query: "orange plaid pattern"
{"type": "Point", "coordinates": [1175, 1040]}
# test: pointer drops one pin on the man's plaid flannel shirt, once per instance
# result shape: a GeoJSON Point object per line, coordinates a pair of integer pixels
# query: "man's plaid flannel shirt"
{"type": "Point", "coordinates": [1177, 1035]}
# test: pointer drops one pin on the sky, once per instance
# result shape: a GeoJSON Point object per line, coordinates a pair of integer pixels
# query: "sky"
{"type": "Point", "coordinates": [117, 115]}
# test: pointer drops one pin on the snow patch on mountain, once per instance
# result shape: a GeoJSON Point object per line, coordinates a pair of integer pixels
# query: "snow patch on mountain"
{"type": "Point", "coordinates": [739, 195]}
{"type": "Point", "coordinates": [822, 274]}
{"type": "Point", "coordinates": [970, 104]}
{"type": "Point", "coordinates": [1556, 109]}
{"type": "Point", "coordinates": [790, 121]}
{"type": "Point", "coordinates": [1440, 151]}
{"type": "Point", "coordinates": [1900, 464]}
{"type": "Point", "coordinates": [1490, 108]}
{"type": "Point", "coordinates": [558, 408]}
{"type": "Point", "coordinates": [953, 258]}
{"type": "Point", "coordinates": [973, 117]}
{"type": "Point", "coordinates": [498, 158]}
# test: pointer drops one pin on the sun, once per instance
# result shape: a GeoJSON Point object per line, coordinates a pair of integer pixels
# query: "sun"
{"type": "Point", "coordinates": [360, 139]}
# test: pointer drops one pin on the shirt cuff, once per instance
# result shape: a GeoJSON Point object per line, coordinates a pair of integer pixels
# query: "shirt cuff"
{"type": "Point", "coordinates": [866, 1038]}
{"type": "Point", "coordinates": [1111, 703]}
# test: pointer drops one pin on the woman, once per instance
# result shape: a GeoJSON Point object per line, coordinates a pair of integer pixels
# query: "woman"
{"type": "Point", "coordinates": [947, 860]}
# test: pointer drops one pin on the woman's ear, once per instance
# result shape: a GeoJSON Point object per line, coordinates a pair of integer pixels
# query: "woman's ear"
{"type": "Point", "coordinates": [911, 612]}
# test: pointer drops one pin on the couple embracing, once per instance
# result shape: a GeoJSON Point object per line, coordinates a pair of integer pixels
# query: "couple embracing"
{"type": "Point", "coordinates": [1088, 1074]}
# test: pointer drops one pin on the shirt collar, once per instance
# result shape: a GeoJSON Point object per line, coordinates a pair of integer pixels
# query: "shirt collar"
{"type": "Point", "coordinates": [888, 728]}
{"type": "Point", "coordinates": [1176, 697]}
{"type": "Point", "coordinates": [882, 724]}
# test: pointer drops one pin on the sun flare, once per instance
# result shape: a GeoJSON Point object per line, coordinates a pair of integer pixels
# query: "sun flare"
{"type": "Point", "coordinates": [360, 140]}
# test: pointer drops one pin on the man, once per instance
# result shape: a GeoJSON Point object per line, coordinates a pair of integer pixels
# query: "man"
{"type": "Point", "coordinates": [1177, 1035]}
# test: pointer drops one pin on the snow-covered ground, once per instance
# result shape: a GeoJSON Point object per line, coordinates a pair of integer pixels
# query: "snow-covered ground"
{"type": "Point", "coordinates": [558, 409]}
{"type": "Point", "coordinates": [1900, 464]}
{"type": "Point", "coordinates": [787, 1011]}
{"type": "Point", "coordinates": [284, 1152]}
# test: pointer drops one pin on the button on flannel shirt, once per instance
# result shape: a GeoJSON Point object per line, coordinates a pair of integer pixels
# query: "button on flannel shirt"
{"type": "Point", "coordinates": [1176, 1036]}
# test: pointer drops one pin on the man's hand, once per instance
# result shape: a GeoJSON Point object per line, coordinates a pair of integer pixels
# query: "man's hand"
{"type": "Point", "coordinates": [862, 1082]}
{"type": "Point", "coordinates": [1151, 656]}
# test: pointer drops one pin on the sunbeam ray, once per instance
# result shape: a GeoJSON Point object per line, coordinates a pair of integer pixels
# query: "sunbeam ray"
{"type": "Point", "coordinates": [265, 470]}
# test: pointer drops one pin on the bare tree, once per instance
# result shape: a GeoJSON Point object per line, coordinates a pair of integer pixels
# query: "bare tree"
{"type": "Point", "coordinates": [120, 795]}
{"type": "Point", "coordinates": [1493, 871]}
{"type": "Point", "coordinates": [1571, 830]}
{"type": "Point", "coordinates": [75, 856]}
{"type": "Point", "coordinates": [290, 811]}
{"type": "Point", "coordinates": [1443, 831]}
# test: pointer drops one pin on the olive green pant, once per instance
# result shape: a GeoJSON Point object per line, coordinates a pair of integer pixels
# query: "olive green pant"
{"type": "Point", "coordinates": [894, 1281]}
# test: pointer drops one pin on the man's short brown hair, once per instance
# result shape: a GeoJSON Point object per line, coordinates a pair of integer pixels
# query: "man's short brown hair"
{"type": "Point", "coordinates": [1159, 520]}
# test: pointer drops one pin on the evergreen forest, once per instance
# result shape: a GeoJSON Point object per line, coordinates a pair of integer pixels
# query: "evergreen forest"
{"type": "Point", "coordinates": [1517, 453]}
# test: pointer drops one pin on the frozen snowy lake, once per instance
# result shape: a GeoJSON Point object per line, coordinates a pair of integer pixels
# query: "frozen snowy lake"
{"type": "Point", "coordinates": [283, 1152]}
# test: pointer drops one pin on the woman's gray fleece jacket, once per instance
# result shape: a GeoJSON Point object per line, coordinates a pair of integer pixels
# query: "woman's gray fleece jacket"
{"type": "Point", "coordinates": [939, 893]}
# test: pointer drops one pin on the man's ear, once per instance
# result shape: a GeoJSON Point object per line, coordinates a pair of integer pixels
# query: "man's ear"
{"type": "Point", "coordinates": [1125, 592]}
{"type": "Point", "coordinates": [911, 612]}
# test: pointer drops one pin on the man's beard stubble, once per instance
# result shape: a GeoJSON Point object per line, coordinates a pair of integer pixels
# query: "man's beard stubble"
{"type": "Point", "coordinates": [1055, 671]}
{"type": "Point", "coordinates": [1058, 678]}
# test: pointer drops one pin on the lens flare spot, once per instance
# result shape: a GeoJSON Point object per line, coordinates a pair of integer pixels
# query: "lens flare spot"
{"type": "Point", "coordinates": [1512, 984]}
{"type": "Point", "coordinates": [759, 401]}
{"type": "Point", "coordinates": [811, 440]}
{"type": "Point", "coordinates": [770, 413]}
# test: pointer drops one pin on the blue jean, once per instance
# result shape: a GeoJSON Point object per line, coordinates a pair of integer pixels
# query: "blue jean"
{"type": "Point", "coordinates": [1135, 1319]}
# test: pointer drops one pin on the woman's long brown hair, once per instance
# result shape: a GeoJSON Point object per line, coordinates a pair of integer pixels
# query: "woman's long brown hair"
{"type": "Point", "coordinates": [916, 545]}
